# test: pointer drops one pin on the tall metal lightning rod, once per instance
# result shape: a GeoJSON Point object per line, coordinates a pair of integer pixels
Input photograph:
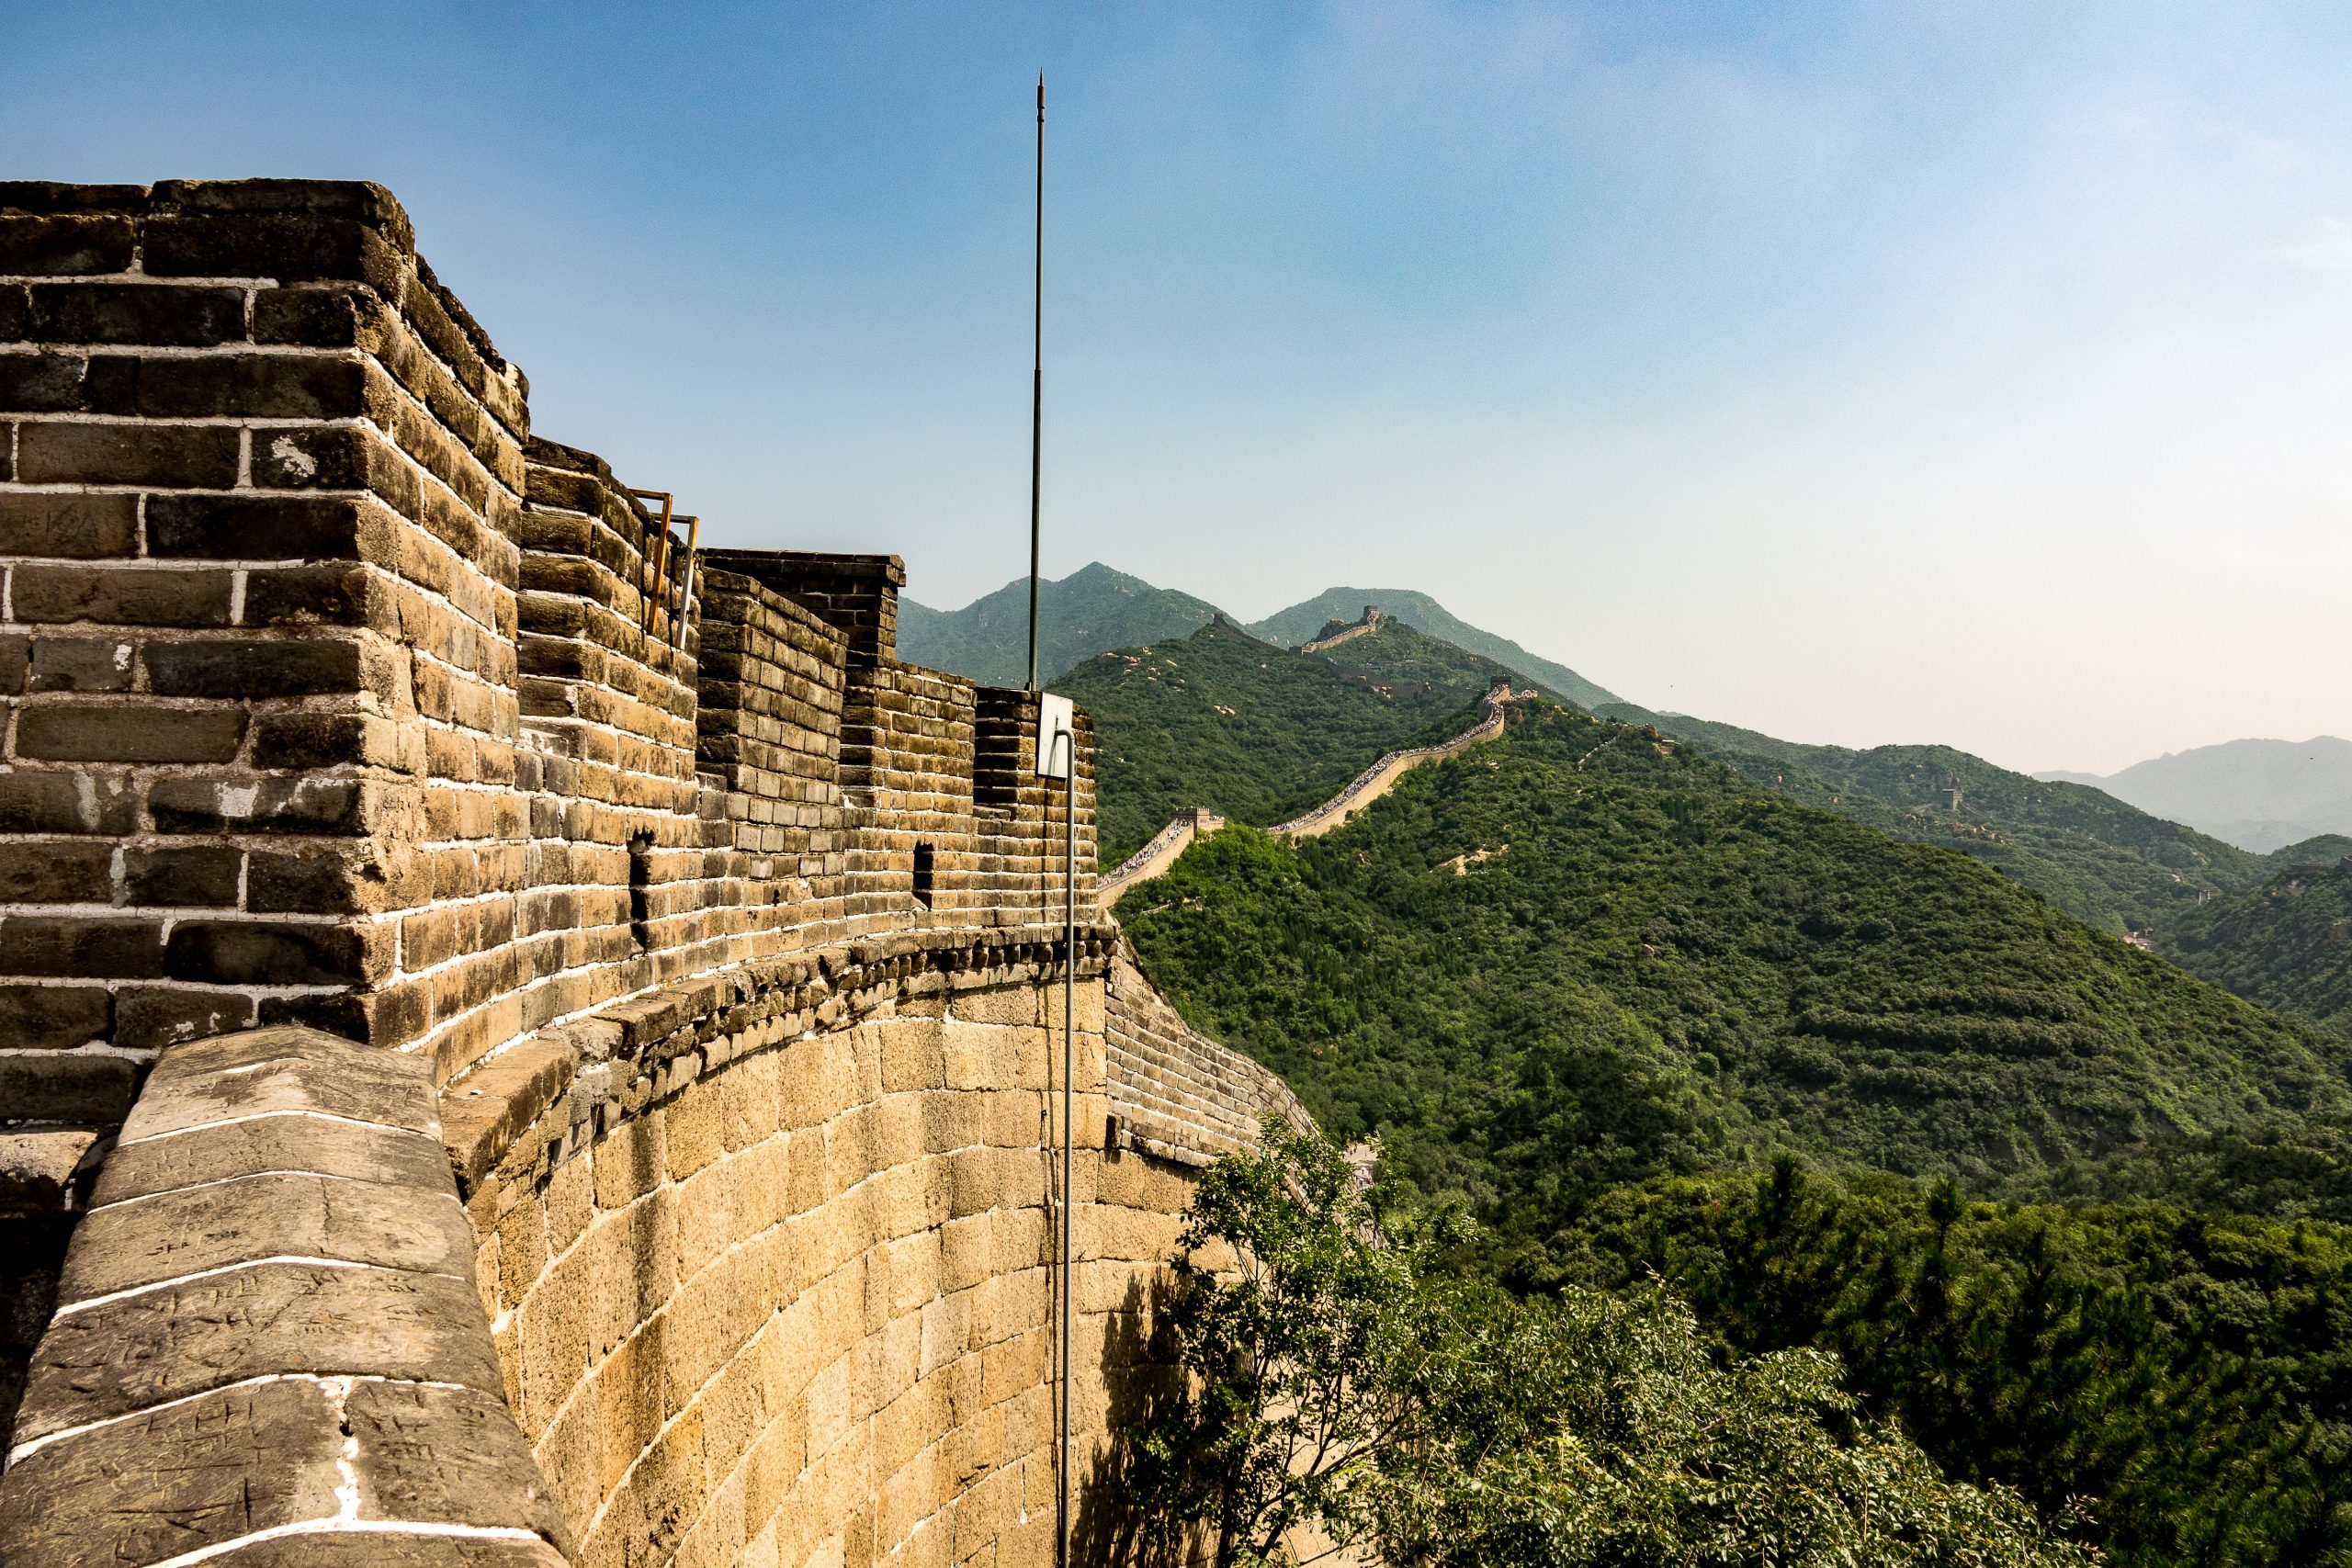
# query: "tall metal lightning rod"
{"type": "Point", "coordinates": [1036, 378]}
{"type": "Point", "coordinates": [1069, 1082]}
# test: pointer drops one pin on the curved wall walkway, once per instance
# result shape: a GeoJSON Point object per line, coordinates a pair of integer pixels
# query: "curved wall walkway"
{"type": "Point", "coordinates": [563, 1037]}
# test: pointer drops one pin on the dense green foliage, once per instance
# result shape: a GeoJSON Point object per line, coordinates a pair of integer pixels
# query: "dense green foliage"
{"type": "Point", "coordinates": [1334, 1385]}
{"type": "Point", "coordinates": [2287, 944]}
{"type": "Point", "coordinates": [1585, 978]}
{"type": "Point", "coordinates": [1090, 610]}
{"type": "Point", "coordinates": [2192, 1372]}
{"type": "Point", "coordinates": [2102, 861]}
{"type": "Point", "coordinates": [1258, 733]}
{"type": "Point", "coordinates": [1305, 619]}
{"type": "Point", "coordinates": [1657, 965]}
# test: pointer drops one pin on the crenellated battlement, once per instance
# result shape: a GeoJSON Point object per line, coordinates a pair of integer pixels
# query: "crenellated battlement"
{"type": "Point", "coordinates": [345, 712]}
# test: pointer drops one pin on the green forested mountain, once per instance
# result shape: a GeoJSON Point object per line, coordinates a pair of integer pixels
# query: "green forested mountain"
{"type": "Point", "coordinates": [1645, 961]}
{"type": "Point", "coordinates": [1302, 620]}
{"type": "Point", "coordinates": [1645, 1014]}
{"type": "Point", "coordinates": [2288, 944]}
{"type": "Point", "coordinates": [2319, 851]}
{"type": "Point", "coordinates": [1092, 609]}
{"type": "Point", "coordinates": [1255, 732]}
{"type": "Point", "coordinates": [2094, 856]}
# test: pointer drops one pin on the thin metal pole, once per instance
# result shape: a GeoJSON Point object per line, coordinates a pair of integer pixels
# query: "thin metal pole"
{"type": "Point", "coordinates": [1069, 1080]}
{"type": "Point", "coordinates": [1036, 378]}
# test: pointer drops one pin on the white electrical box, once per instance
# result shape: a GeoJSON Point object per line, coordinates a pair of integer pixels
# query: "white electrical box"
{"type": "Point", "coordinates": [1057, 735]}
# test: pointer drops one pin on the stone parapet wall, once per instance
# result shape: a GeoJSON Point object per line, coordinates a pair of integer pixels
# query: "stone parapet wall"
{"type": "Point", "coordinates": [268, 1331]}
{"type": "Point", "coordinates": [380, 801]}
{"type": "Point", "coordinates": [1176, 1094]}
{"type": "Point", "coordinates": [334, 695]}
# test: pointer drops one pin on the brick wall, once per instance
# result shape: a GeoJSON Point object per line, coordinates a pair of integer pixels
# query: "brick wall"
{"type": "Point", "coordinates": [332, 697]}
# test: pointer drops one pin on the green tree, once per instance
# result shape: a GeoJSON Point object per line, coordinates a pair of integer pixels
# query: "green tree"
{"type": "Point", "coordinates": [1334, 1379]}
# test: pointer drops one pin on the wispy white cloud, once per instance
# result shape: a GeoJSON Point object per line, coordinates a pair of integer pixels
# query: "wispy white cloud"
{"type": "Point", "coordinates": [2331, 252]}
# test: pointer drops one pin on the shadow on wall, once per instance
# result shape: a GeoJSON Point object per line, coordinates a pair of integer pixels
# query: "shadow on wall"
{"type": "Point", "coordinates": [1138, 1382]}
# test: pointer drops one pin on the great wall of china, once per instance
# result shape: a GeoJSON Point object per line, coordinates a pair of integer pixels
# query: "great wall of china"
{"type": "Point", "coordinates": [520, 1044]}
{"type": "Point", "coordinates": [1193, 823]}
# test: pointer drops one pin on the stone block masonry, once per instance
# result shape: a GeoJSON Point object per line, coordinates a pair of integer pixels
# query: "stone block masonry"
{"type": "Point", "coordinates": [514, 1046]}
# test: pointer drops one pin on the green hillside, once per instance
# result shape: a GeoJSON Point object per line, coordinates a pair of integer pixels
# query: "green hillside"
{"type": "Point", "coordinates": [1092, 609]}
{"type": "Point", "coordinates": [1657, 966]}
{"type": "Point", "coordinates": [1255, 732]}
{"type": "Point", "coordinates": [2324, 848]}
{"type": "Point", "coordinates": [2287, 944]}
{"type": "Point", "coordinates": [1649, 1017]}
{"type": "Point", "coordinates": [2094, 856]}
{"type": "Point", "coordinates": [1302, 620]}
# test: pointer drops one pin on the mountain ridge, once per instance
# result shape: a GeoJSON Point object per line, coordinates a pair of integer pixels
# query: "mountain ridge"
{"type": "Point", "coordinates": [1098, 608]}
{"type": "Point", "coordinates": [2257, 793]}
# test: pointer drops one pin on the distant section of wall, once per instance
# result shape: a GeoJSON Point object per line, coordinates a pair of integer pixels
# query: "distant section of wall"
{"type": "Point", "coordinates": [1382, 776]}
{"type": "Point", "coordinates": [1166, 847]}
{"type": "Point", "coordinates": [1175, 1093]}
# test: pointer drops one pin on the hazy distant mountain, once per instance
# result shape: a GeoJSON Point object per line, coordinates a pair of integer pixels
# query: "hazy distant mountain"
{"type": "Point", "coordinates": [2258, 795]}
{"type": "Point", "coordinates": [1093, 609]}
{"type": "Point", "coordinates": [1302, 620]}
{"type": "Point", "coordinates": [1096, 609]}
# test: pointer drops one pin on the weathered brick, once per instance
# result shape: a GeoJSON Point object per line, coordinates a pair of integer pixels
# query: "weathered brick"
{"type": "Point", "coordinates": [205, 875]}
{"type": "Point", "coordinates": [63, 245]}
{"type": "Point", "coordinates": [199, 456]}
{"type": "Point", "coordinates": [150, 1016]}
{"type": "Point", "coordinates": [163, 315]}
{"type": "Point", "coordinates": [272, 386]}
{"type": "Point", "coordinates": [271, 805]}
{"type": "Point", "coordinates": [33, 801]}
{"type": "Point", "coordinates": [334, 595]}
{"type": "Point", "coordinates": [40, 1018]}
{"type": "Point", "coordinates": [80, 664]}
{"type": "Point", "coordinates": [249, 527]}
{"type": "Point", "coordinates": [57, 874]}
{"type": "Point", "coordinates": [48, 381]}
{"type": "Point", "coordinates": [332, 741]}
{"type": "Point", "coordinates": [335, 457]}
{"type": "Point", "coordinates": [41, 197]}
{"type": "Point", "coordinates": [16, 312]}
{"type": "Point", "coordinates": [66, 1086]}
{"type": "Point", "coordinates": [121, 596]}
{"type": "Point", "coordinates": [313, 882]}
{"type": "Point", "coordinates": [337, 1012]}
{"type": "Point", "coordinates": [313, 315]}
{"type": "Point", "coordinates": [80, 527]}
{"type": "Point", "coordinates": [81, 946]}
{"type": "Point", "coordinates": [253, 668]}
{"type": "Point", "coordinates": [265, 953]}
{"type": "Point", "coordinates": [298, 247]}
{"type": "Point", "coordinates": [15, 662]}
{"type": "Point", "coordinates": [115, 732]}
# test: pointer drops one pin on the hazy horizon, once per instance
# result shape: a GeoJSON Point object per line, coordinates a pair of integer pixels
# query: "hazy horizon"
{"type": "Point", "coordinates": [1855, 373]}
{"type": "Point", "coordinates": [1252, 618]}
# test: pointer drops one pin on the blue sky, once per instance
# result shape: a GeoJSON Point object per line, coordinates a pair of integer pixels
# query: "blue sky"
{"type": "Point", "coordinates": [1972, 373]}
